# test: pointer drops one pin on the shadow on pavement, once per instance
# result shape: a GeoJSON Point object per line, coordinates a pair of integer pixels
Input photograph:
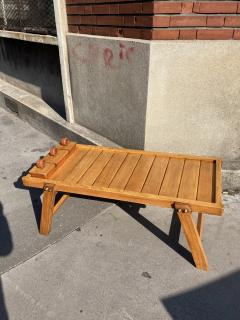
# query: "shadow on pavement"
{"type": "Point", "coordinates": [131, 209]}
{"type": "Point", "coordinates": [6, 246]}
{"type": "Point", "coordinates": [170, 239]}
{"type": "Point", "coordinates": [35, 195]}
{"type": "Point", "coordinates": [216, 300]}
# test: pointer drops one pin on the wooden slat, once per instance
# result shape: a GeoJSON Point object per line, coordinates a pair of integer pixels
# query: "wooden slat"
{"type": "Point", "coordinates": [206, 184]}
{"type": "Point", "coordinates": [122, 176]}
{"type": "Point", "coordinates": [96, 168]}
{"type": "Point", "coordinates": [165, 175]}
{"type": "Point", "coordinates": [189, 182]}
{"type": "Point", "coordinates": [106, 176]}
{"type": "Point", "coordinates": [160, 154]}
{"type": "Point", "coordinates": [79, 170]}
{"type": "Point", "coordinates": [172, 178]}
{"type": "Point", "coordinates": [69, 165]}
{"type": "Point", "coordinates": [43, 172]}
{"type": "Point", "coordinates": [155, 176]}
{"type": "Point", "coordinates": [140, 173]}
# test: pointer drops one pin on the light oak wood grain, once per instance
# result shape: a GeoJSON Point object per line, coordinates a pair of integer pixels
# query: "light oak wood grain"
{"type": "Point", "coordinates": [184, 182]}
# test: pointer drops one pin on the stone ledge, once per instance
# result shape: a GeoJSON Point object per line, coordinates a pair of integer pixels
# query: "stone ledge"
{"type": "Point", "coordinates": [42, 117]}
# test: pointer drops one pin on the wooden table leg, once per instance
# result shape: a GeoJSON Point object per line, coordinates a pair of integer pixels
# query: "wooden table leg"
{"type": "Point", "coordinates": [47, 209]}
{"type": "Point", "coordinates": [193, 239]}
{"type": "Point", "coordinates": [200, 223]}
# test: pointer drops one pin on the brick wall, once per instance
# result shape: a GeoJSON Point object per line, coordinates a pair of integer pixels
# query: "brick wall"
{"type": "Point", "coordinates": [158, 20]}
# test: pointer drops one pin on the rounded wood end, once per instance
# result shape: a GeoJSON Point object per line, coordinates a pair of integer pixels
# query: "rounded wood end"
{"type": "Point", "coordinates": [40, 164]}
{"type": "Point", "coordinates": [53, 151]}
{"type": "Point", "coordinates": [64, 141]}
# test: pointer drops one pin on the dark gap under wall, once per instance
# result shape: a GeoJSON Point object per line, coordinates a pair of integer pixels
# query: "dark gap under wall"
{"type": "Point", "coordinates": [34, 67]}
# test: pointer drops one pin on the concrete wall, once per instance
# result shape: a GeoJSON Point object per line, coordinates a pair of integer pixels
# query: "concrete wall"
{"type": "Point", "coordinates": [194, 98]}
{"type": "Point", "coordinates": [177, 96]}
{"type": "Point", "coordinates": [35, 68]}
{"type": "Point", "coordinates": [109, 86]}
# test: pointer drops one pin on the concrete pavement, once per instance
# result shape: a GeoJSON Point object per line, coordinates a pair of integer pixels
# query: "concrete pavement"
{"type": "Point", "coordinates": [120, 265]}
{"type": "Point", "coordinates": [20, 147]}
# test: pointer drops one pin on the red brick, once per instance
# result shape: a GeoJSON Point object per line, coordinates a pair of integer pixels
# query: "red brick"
{"type": "Point", "coordinates": [114, 32]}
{"type": "Point", "coordinates": [88, 9]}
{"type": "Point", "coordinates": [144, 21]}
{"type": "Point", "coordinates": [167, 7]}
{"type": "Point", "coordinates": [161, 21]}
{"type": "Point", "coordinates": [85, 30]}
{"type": "Point", "coordinates": [196, 7]}
{"type": "Point", "coordinates": [236, 35]}
{"type": "Point", "coordinates": [238, 10]}
{"type": "Point", "coordinates": [112, 1]}
{"type": "Point", "coordinates": [114, 8]}
{"type": "Point", "coordinates": [106, 31]}
{"type": "Point", "coordinates": [132, 33]}
{"type": "Point", "coordinates": [165, 34]}
{"type": "Point", "coordinates": [88, 20]}
{"type": "Point", "coordinates": [128, 8]}
{"type": "Point", "coordinates": [232, 21]}
{"type": "Point", "coordinates": [74, 19]}
{"type": "Point", "coordinates": [75, 9]}
{"type": "Point", "coordinates": [188, 21]}
{"type": "Point", "coordinates": [146, 34]}
{"type": "Point", "coordinates": [77, 1]}
{"type": "Point", "coordinates": [215, 7]}
{"type": "Point", "coordinates": [215, 21]}
{"type": "Point", "coordinates": [120, 32]}
{"type": "Point", "coordinates": [187, 7]}
{"type": "Point", "coordinates": [188, 34]}
{"type": "Point", "coordinates": [214, 34]}
{"type": "Point", "coordinates": [73, 29]}
{"type": "Point", "coordinates": [129, 21]}
{"type": "Point", "coordinates": [100, 9]}
{"type": "Point", "coordinates": [137, 33]}
{"type": "Point", "coordinates": [148, 7]}
{"type": "Point", "coordinates": [110, 20]}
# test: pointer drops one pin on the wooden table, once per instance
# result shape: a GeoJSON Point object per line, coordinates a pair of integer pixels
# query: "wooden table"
{"type": "Point", "coordinates": [183, 182]}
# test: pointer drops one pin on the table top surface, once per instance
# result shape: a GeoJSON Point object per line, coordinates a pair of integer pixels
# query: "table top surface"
{"type": "Point", "coordinates": [133, 175]}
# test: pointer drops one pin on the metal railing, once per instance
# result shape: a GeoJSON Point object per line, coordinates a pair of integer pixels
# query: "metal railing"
{"type": "Point", "coordinates": [33, 16]}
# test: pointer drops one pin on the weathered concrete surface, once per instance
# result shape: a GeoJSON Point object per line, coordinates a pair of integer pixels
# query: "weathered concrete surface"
{"type": "Point", "coordinates": [30, 37]}
{"type": "Point", "coordinates": [119, 269]}
{"type": "Point", "coordinates": [109, 86]}
{"type": "Point", "coordinates": [194, 98]}
{"type": "Point", "coordinates": [177, 96]}
{"type": "Point", "coordinates": [42, 117]}
{"type": "Point", "coordinates": [20, 147]}
{"type": "Point", "coordinates": [186, 102]}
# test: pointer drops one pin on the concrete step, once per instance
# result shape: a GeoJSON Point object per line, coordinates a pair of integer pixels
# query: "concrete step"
{"type": "Point", "coordinates": [41, 116]}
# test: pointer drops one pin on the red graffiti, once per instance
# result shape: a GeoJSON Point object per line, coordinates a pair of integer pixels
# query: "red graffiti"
{"type": "Point", "coordinates": [108, 57]}
{"type": "Point", "coordinates": [125, 52]}
{"type": "Point", "coordinates": [129, 52]}
{"type": "Point", "coordinates": [122, 49]}
{"type": "Point", "coordinates": [90, 54]}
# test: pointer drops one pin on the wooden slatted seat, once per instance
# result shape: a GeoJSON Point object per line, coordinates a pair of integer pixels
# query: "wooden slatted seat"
{"type": "Point", "coordinates": [186, 183]}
